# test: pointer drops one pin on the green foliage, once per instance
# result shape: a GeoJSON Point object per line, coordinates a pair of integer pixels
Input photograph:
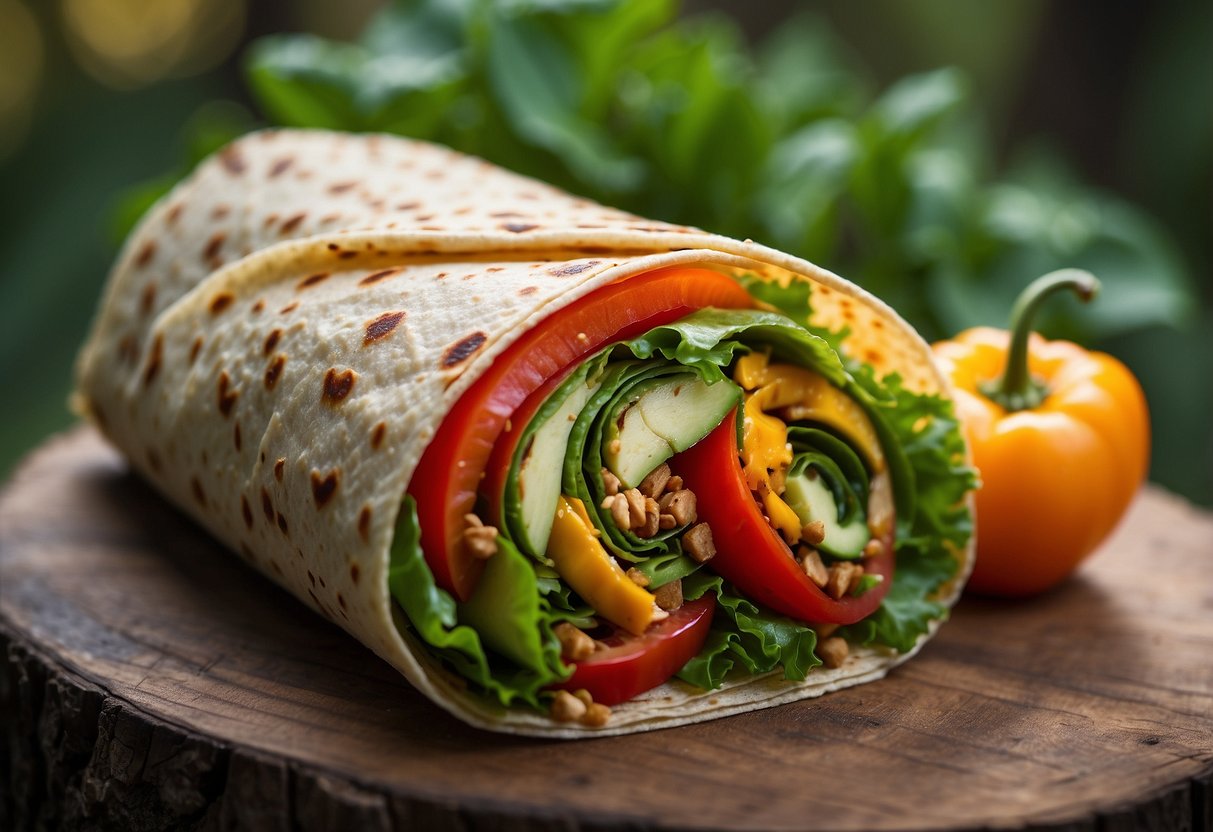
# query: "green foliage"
{"type": "Point", "coordinates": [623, 102]}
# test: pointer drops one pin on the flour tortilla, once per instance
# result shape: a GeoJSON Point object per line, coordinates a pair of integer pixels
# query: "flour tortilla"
{"type": "Point", "coordinates": [283, 333]}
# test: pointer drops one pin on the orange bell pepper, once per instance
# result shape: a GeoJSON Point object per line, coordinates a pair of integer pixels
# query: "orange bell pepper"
{"type": "Point", "coordinates": [1060, 435]}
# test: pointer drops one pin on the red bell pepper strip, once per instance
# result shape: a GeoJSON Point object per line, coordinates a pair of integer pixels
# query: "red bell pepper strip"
{"type": "Point", "coordinates": [449, 474]}
{"type": "Point", "coordinates": [749, 553]}
{"type": "Point", "coordinates": [631, 664]}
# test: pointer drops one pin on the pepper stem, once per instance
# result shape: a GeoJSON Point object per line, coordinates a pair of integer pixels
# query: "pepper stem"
{"type": "Point", "coordinates": [1016, 389]}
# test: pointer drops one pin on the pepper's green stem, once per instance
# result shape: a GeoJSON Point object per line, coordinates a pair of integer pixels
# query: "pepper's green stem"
{"type": "Point", "coordinates": [1016, 389]}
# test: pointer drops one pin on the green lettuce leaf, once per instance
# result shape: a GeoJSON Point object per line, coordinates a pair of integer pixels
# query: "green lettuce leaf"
{"type": "Point", "coordinates": [523, 629]}
{"type": "Point", "coordinates": [745, 633]}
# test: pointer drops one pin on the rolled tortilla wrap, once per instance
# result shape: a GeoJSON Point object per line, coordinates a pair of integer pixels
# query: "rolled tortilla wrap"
{"type": "Point", "coordinates": [283, 334]}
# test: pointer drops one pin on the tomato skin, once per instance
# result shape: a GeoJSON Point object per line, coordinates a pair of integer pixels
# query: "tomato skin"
{"type": "Point", "coordinates": [749, 553]}
{"type": "Point", "coordinates": [633, 664]}
{"type": "Point", "coordinates": [449, 473]}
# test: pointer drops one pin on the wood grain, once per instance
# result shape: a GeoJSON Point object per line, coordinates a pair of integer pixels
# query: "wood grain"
{"type": "Point", "coordinates": [153, 681]}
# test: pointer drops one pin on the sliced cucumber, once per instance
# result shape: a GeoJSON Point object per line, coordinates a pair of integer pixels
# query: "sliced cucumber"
{"type": "Point", "coordinates": [812, 499]}
{"type": "Point", "coordinates": [663, 417]}
{"type": "Point", "coordinates": [542, 463]}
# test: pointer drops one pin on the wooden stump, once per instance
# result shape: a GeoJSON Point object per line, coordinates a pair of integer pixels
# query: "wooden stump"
{"type": "Point", "coordinates": [152, 681]}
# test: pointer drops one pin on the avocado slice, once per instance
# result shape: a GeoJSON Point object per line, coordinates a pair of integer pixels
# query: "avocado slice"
{"type": "Point", "coordinates": [542, 464]}
{"type": "Point", "coordinates": [664, 416]}
{"type": "Point", "coordinates": [811, 498]}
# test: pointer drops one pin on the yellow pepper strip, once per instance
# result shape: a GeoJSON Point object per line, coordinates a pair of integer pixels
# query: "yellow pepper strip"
{"type": "Point", "coordinates": [808, 395]}
{"type": "Point", "coordinates": [592, 573]}
{"type": "Point", "coordinates": [766, 454]}
{"type": "Point", "coordinates": [1060, 435]}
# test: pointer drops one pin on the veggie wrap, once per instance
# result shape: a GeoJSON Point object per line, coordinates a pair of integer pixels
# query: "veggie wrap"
{"type": "Point", "coordinates": [413, 388]}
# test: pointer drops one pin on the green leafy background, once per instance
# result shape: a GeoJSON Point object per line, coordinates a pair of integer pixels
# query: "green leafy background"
{"type": "Point", "coordinates": [875, 144]}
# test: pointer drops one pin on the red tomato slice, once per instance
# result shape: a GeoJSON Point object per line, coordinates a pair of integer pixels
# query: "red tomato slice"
{"type": "Point", "coordinates": [750, 553]}
{"type": "Point", "coordinates": [449, 473]}
{"type": "Point", "coordinates": [633, 664]}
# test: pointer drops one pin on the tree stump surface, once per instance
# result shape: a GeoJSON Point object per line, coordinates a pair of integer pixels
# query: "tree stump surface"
{"type": "Point", "coordinates": [153, 681]}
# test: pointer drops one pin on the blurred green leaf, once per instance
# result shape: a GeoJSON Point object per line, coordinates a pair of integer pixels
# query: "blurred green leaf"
{"type": "Point", "coordinates": [918, 103]}
{"type": "Point", "coordinates": [538, 86]}
{"type": "Point", "coordinates": [802, 77]}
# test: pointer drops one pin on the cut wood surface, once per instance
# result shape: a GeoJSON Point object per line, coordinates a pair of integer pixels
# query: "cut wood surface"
{"type": "Point", "coordinates": [152, 680]}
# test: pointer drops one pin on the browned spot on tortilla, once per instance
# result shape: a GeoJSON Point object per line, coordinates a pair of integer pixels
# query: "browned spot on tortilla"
{"type": "Point", "coordinates": [145, 254]}
{"type": "Point", "coordinates": [232, 161]}
{"type": "Point", "coordinates": [519, 227]}
{"type": "Point", "coordinates": [271, 219]}
{"type": "Point", "coordinates": [346, 255]}
{"type": "Point", "coordinates": [221, 302]}
{"type": "Point", "coordinates": [312, 280]}
{"type": "Point", "coordinates": [364, 523]}
{"type": "Point", "coordinates": [501, 215]}
{"type": "Point", "coordinates": [195, 348]}
{"type": "Point", "coordinates": [220, 211]}
{"type": "Point", "coordinates": [289, 308]}
{"type": "Point", "coordinates": [258, 307]}
{"type": "Point", "coordinates": [873, 356]}
{"type": "Point", "coordinates": [282, 524]}
{"type": "Point", "coordinates": [355, 573]}
{"type": "Point", "coordinates": [311, 578]}
{"type": "Point", "coordinates": [213, 245]}
{"type": "Point", "coordinates": [237, 439]}
{"type": "Point", "coordinates": [199, 495]}
{"type": "Point", "coordinates": [319, 578]}
{"type": "Point", "coordinates": [342, 187]}
{"type": "Point", "coordinates": [174, 214]}
{"type": "Point", "coordinates": [337, 385]}
{"type": "Point", "coordinates": [423, 217]}
{"type": "Point", "coordinates": [877, 324]}
{"type": "Point", "coordinates": [153, 460]}
{"type": "Point", "coordinates": [495, 269]}
{"type": "Point", "coordinates": [324, 487]}
{"type": "Point", "coordinates": [281, 166]}
{"type": "Point", "coordinates": [461, 349]}
{"type": "Point", "coordinates": [341, 601]}
{"type": "Point", "coordinates": [408, 206]}
{"type": "Point", "coordinates": [274, 371]}
{"type": "Point", "coordinates": [375, 277]}
{"type": "Point", "coordinates": [330, 218]}
{"type": "Point", "coordinates": [440, 275]}
{"type": "Point", "coordinates": [572, 269]}
{"type": "Point", "coordinates": [227, 398]}
{"type": "Point", "coordinates": [246, 511]}
{"type": "Point", "coordinates": [279, 468]}
{"type": "Point", "coordinates": [291, 223]}
{"type": "Point", "coordinates": [528, 290]}
{"type": "Point", "coordinates": [334, 247]}
{"type": "Point", "coordinates": [271, 341]}
{"type": "Point", "coordinates": [382, 327]}
{"type": "Point", "coordinates": [153, 360]}
{"type": "Point", "coordinates": [822, 290]}
{"type": "Point", "coordinates": [377, 435]}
